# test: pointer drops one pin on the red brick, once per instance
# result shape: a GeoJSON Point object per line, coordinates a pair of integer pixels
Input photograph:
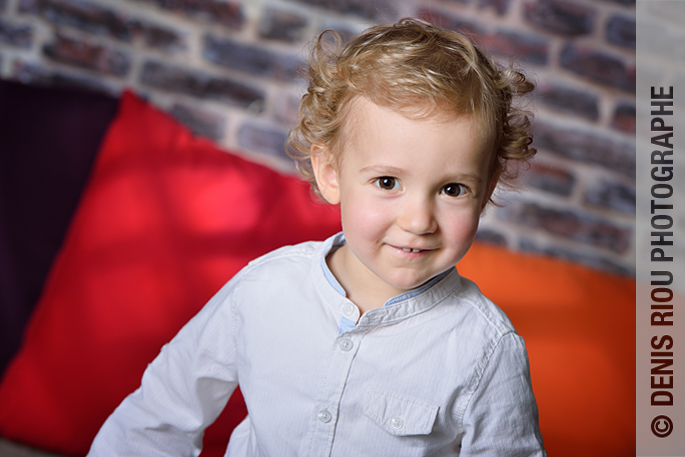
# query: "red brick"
{"type": "Point", "coordinates": [528, 47]}
{"type": "Point", "coordinates": [469, 28]}
{"type": "Point", "coordinates": [500, 6]}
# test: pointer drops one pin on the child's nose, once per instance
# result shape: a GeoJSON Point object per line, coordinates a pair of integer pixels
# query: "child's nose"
{"type": "Point", "coordinates": [418, 217]}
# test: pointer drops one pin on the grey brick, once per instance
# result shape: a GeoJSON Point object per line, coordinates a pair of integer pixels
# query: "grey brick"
{"type": "Point", "coordinates": [369, 9]}
{"type": "Point", "coordinates": [199, 84]}
{"type": "Point", "coordinates": [585, 146]}
{"type": "Point", "coordinates": [568, 100]}
{"type": "Point", "coordinates": [597, 262]}
{"type": "Point", "coordinates": [598, 66]}
{"type": "Point", "coordinates": [100, 58]}
{"type": "Point", "coordinates": [624, 117]}
{"type": "Point", "coordinates": [30, 73]}
{"type": "Point", "coordinates": [18, 35]}
{"type": "Point", "coordinates": [263, 138]}
{"type": "Point", "coordinates": [550, 179]}
{"type": "Point", "coordinates": [226, 13]}
{"type": "Point", "coordinates": [82, 15]}
{"type": "Point", "coordinates": [611, 195]}
{"type": "Point", "coordinates": [469, 28]}
{"type": "Point", "coordinates": [282, 25]}
{"type": "Point", "coordinates": [569, 224]}
{"type": "Point", "coordinates": [621, 31]}
{"type": "Point", "coordinates": [526, 47]}
{"type": "Point", "coordinates": [492, 237]}
{"type": "Point", "coordinates": [501, 6]}
{"type": "Point", "coordinates": [251, 59]}
{"type": "Point", "coordinates": [560, 17]}
{"type": "Point", "coordinates": [200, 122]}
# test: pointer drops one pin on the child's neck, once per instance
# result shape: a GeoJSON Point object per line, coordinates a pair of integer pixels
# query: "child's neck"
{"type": "Point", "coordinates": [362, 287]}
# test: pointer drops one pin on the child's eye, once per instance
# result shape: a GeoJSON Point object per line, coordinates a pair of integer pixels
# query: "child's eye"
{"type": "Point", "coordinates": [387, 183]}
{"type": "Point", "coordinates": [454, 189]}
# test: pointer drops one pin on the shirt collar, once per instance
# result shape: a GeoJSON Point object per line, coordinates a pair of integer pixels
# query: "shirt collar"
{"type": "Point", "coordinates": [339, 240]}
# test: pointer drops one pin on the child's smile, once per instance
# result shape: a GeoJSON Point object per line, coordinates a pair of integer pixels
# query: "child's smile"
{"type": "Point", "coordinates": [411, 192]}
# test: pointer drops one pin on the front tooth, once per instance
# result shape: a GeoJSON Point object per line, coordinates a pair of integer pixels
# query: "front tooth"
{"type": "Point", "coordinates": [416, 250]}
{"type": "Point", "coordinates": [406, 249]}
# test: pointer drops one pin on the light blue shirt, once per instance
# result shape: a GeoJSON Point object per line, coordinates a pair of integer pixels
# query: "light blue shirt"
{"type": "Point", "coordinates": [436, 371]}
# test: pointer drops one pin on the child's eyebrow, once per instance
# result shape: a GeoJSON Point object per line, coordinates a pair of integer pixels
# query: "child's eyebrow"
{"type": "Point", "coordinates": [389, 170]}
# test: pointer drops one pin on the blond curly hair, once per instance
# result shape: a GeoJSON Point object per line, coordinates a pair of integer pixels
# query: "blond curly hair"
{"type": "Point", "coordinates": [419, 69]}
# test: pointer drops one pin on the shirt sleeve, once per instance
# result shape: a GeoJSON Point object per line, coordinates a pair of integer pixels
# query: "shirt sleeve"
{"type": "Point", "coordinates": [502, 416]}
{"type": "Point", "coordinates": [182, 391]}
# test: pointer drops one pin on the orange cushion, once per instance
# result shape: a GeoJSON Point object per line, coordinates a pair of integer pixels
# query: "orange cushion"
{"type": "Point", "coordinates": [166, 219]}
{"type": "Point", "coordinates": [579, 328]}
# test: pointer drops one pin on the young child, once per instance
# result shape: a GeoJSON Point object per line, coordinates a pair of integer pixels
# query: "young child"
{"type": "Point", "coordinates": [370, 343]}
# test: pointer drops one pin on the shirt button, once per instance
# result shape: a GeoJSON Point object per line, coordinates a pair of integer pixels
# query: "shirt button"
{"type": "Point", "coordinates": [324, 416]}
{"type": "Point", "coordinates": [397, 422]}
{"type": "Point", "coordinates": [348, 309]}
{"type": "Point", "coordinates": [346, 344]}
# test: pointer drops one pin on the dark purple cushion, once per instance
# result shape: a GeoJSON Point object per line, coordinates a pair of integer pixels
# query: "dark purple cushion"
{"type": "Point", "coordinates": [48, 140]}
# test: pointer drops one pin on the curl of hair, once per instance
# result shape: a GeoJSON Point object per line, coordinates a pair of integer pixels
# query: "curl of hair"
{"type": "Point", "coordinates": [421, 70]}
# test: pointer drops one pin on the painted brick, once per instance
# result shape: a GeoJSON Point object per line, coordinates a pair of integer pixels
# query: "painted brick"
{"type": "Point", "coordinates": [282, 25]}
{"type": "Point", "coordinates": [622, 2]}
{"type": "Point", "coordinates": [30, 73]}
{"type": "Point", "coordinates": [526, 47]}
{"type": "Point", "coordinates": [624, 117]}
{"type": "Point", "coordinates": [261, 138]}
{"type": "Point", "coordinates": [286, 107]}
{"type": "Point", "coordinates": [572, 225]}
{"type": "Point", "coordinates": [594, 261]}
{"type": "Point", "coordinates": [611, 195]}
{"type": "Point", "coordinates": [584, 146]}
{"type": "Point", "coordinates": [200, 122]}
{"type": "Point", "coordinates": [500, 6]}
{"type": "Point", "coordinates": [18, 35]}
{"type": "Point", "coordinates": [226, 13]}
{"type": "Point", "coordinates": [198, 84]}
{"type": "Point", "coordinates": [621, 31]}
{"type": "Point", "coordinates": [565, 99]}
{"type": "Point", "coordinates": [598, 66]}
{"type": "Point", "coordinates": [3, 4]}
{"type": "Point", "coordinates": [489, 236]}
{"type": "Point", "coordinates": [469, 28]}
{"type": "Point", "coordinates": [82, 54]}
{"type": "Point", "coordinates": [97, 19]}
{"type": "Point", "coordinates": [163, 38]}
{"type": "Point", "coordinates": [252, 59]}
{"type": "Point", "coordinates": [369, 9]}
{"type": "Point", "coordinates": [550, 179]}
{"type": "Point", "coordinates": [560, 17]}
{"type": "Point", "coordinates": [81, 15]}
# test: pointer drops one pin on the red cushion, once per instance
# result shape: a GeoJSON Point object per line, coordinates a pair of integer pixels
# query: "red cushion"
{"type": "Point", "coordinates": [579, 328]}
{"type": "Point", "coordinates": [166, 219]}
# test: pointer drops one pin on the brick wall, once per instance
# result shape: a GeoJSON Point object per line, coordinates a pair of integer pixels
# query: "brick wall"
{"type": "Point", "coordinates": [229, 70]}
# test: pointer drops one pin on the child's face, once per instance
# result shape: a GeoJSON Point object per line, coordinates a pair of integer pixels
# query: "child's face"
{"type": "Point", "coordinates": [411, 192]}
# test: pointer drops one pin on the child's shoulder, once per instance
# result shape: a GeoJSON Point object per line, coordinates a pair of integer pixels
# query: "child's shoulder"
{"type": "Point", "coordinates": [302, 253]}
{"type": "Point", "coordinates": [485, 310]}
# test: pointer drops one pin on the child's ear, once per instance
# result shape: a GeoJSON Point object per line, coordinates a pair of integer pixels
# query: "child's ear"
{"type": "Point", "coordinates": [326, 174]}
